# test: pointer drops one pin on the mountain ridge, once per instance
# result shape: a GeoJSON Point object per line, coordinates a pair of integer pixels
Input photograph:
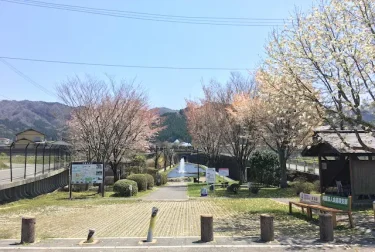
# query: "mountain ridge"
{"type": "Point", "coordinates": [50, 118]}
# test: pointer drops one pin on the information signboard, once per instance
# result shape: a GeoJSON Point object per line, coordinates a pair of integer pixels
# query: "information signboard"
{"type": "Point", "coordinates": [224, 172]}
{"type": "Point", "coordinates": [337, 202]}
{"type": "Point", "coordinates": [86, 173]}
{"type": "Point", "coordinates": [211, 175]}
{"type": "Point", "coordinates": [309, 198]}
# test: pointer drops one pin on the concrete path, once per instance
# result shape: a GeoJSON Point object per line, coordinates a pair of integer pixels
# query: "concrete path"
{"type": "Point", "coordinates": [173, 191]}
{"type": "Point", "coordinates": [162, 244]}
{"type": "Point", "coordinates": [18, 171]}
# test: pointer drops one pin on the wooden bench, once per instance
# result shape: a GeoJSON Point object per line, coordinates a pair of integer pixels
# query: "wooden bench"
{"type": "Point", "coordinates": [326, 200]}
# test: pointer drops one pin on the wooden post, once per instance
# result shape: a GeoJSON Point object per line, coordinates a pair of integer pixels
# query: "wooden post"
{"type": "Point", "coordinates": [290, 208]}
{"type": "Point", "coordinates": [320, 173]}
{"type": "Point", "coordinates": [266, 228]}
{"type": "Point", "coordinates": [28, 230]}
{"type": "Point", "coordinates": [207, 228]}
{"type": "Point", "coordinates": [351, 177]}
{"type": "Point", "coordinates": [326, 227]}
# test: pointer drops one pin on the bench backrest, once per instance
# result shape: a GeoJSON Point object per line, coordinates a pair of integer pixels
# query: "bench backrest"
{"type": "Point", "coordinates": [332, 201]}
{"type": "Point", "coordinates": [309, 198]}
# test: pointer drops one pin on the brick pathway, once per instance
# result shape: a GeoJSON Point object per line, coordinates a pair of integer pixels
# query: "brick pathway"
{"type": "Point", "coordinates": [117, 220]}
{"type": "Point", "coordinates": [172, 191]}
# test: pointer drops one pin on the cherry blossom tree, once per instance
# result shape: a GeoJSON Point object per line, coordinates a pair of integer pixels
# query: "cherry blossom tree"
{"type": "Point", "coordinates": [109, 121]}
{"type": "Point", "coordinates": [203, 122]}
{"type": "Point", "coordinates": [212, 124]}
{"type": "Point", "coordinates": [332, 47]}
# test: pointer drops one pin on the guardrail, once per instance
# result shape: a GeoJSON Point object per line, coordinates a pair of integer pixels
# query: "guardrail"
{"type": "Point", "coordinates": [303, 166]}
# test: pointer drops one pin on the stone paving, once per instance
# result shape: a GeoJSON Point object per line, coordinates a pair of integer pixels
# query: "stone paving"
{"type": "Point", "coordinates": [116, 220]}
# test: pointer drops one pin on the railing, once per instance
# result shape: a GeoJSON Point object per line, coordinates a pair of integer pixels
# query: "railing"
{"type": "Point", "coordinates": [303, 166]}
{"type": "Point", "coordinates": [18, 162]}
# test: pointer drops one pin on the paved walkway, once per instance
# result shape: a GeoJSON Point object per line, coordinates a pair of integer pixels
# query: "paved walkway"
{"type": "Point", "coordinates": [173, 191]}
{"type": "Point", "coordinates": [220, 244]}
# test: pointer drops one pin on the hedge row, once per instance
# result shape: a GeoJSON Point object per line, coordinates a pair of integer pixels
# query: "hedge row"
{"type": "Point", "coordinates": [125, 187]}
{"type": "Point", "coordinates": [141, 180]}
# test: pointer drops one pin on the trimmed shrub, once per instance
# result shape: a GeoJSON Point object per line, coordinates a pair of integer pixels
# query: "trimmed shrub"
{"type": "Point", "coordinates": [305, 187]}
{"type": "Point", "coordinates": [317, 185]}
{"type": "Point", "coordinates": [141, 180]}
{"type": "Point", "coordinates": [234, 188]}
{"type": "Point", "coordinates": [122, 188]}
{"type": "Point", "coordinates": [264, 168]}
{"type": "Point", "coordinates": [164, 178]}
{"type": "Point", "coordinates": [152, 171]}
{"type": "Point", "coordinates": [254, 190]}
{"type": "Point", "coordinates": [150, 181]}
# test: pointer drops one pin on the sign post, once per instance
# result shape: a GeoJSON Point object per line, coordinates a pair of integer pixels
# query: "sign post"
{"type": "Point", "coordinates": [210, 175]}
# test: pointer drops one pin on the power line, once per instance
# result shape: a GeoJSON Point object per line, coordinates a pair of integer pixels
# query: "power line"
{"type": "Point", "coordinates": [6, 97]}
{"type": "Point", "coordinates": [152, 14]}
{"type": "Point", "coordinates": [27, 78]}
{"type": "Point", "coordinates": [155, 17]}
{"type": "Point", "coordinates": [126, 66]}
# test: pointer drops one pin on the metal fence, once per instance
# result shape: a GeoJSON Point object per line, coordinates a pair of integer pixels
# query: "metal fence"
{"type": "Point", "coordinates": [22, 161]}
{"type": "Point", "coordinates": [303, 166]}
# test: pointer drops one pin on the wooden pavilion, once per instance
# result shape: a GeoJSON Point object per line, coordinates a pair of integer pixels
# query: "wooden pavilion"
{"type": "Point", "coordinates": [344, 167]}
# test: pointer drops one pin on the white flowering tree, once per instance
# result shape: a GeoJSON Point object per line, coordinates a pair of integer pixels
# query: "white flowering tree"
{"type": "Point", "coordinates": [286, 119]}
{"type": "Point", "coordinates": [332, 47]}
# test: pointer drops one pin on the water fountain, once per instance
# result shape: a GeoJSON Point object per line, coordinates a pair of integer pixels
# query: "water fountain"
{"type": "Point", "coordinates": [181, 167]}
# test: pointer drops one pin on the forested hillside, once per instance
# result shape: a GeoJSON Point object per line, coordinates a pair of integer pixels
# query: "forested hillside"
{"type": "Point", "coordinates": [175, 128]}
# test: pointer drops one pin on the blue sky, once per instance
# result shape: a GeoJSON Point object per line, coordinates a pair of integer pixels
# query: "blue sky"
{"type": "Point", "coordinates": [32, 32]}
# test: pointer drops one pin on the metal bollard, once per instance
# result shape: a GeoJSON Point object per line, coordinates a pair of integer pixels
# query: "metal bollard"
{"type": "Point", "coordinates": [90, 236]}
{"type": "Point", "coordinates": [28, 230]}
{"type": "Point", "coordinates": [152, 224]}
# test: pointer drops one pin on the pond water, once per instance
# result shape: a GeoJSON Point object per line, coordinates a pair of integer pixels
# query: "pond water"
{"type": "Point", "coordinates": [185, 170]}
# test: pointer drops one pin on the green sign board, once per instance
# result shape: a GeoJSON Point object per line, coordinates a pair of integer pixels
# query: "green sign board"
{"type": "Point", "coordinates": [342, 203]}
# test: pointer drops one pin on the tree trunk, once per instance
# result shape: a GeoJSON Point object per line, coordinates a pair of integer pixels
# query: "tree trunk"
{"type": "Point", "coordinates": [114, 170]}
{"type": "Point", "coordinates": [115, 177]}
{"type": "Point", "coordinates": [156, 159]}
{"type": "Point", "coordinates": [283, 176]}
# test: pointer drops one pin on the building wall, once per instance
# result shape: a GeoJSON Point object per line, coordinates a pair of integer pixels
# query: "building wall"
{"type": "Point", "coordinates": [32, 136]}
{"type": "Point", "coordinates": [363, 177]}
{"type": "Point", "coordinates": [4, 141]}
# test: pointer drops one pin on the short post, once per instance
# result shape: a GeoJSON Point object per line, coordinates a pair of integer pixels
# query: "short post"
{"type": "Point", "coordinates": [152, 224]}
{"type": "Point", "coordinates": [207, 228]}
{"type": "Point", "coordinates": [266, 228]}
{"type": "Point", "coordinates": [28, 230]}
{"type": "Point", "coordinates": [326, 227]}
{"type": "Point", "coordinates": [90, 236]}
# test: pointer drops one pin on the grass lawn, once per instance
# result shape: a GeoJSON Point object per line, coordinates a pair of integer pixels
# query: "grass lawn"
{"type": "Point", "coordinates": [61, 199]}
{"type": "Point", "coordinates": [3, 165]}
{"type": "Point", "coordinates": [194, 191]}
